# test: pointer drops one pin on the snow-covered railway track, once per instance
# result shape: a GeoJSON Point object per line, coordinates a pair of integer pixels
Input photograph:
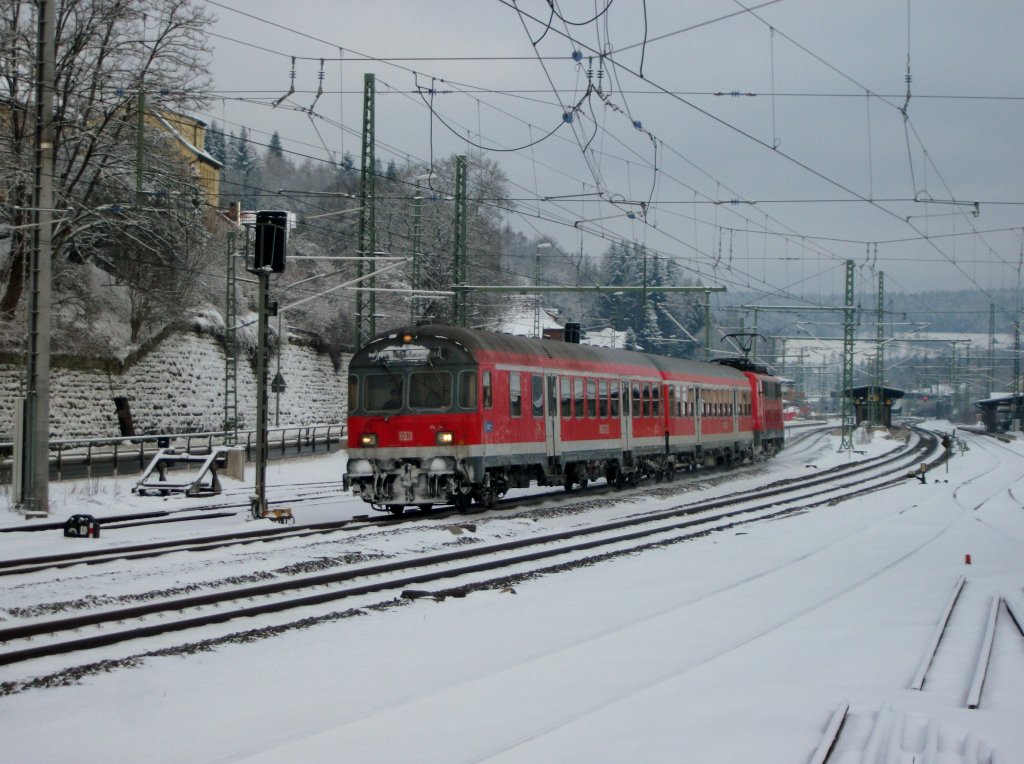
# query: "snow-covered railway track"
{"type": "Point", "coordinates": [206, 543]}
{"type": "Point", "coordinates": [465, 568]}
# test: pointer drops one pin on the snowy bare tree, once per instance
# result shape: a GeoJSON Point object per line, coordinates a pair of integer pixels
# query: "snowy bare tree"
{"type": "Point", "coordinates": [111, 56]}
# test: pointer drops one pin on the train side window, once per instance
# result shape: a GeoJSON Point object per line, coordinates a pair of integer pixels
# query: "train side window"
{"type": "Point", "coordinates": [488, 391]}
{"type": "Point", "coordinates": [670, 404]}
{"type": "Point", "coordinates": [577, 394]}
{"type": "Point", "coordinates": [537, 395]}
{"type": "Point", "coordinates": [353, 392]}
{"type": "Point", "coordinates": [635, 389]}
{"type": "Point", "coordinates": [467, 389]}
{"type": "Point", "coordinates": [515, 394]}
{"type": "Point", "coordinates": [552, 395]}
{"type": "Point", "coordinates": [646, 399]}
{"type": "Point", "coordinates": [615, 398]}
{"type": "Point", "coordinates": [656, 400]}
{"type": "Point", "coordinates": [602, 398]}
{"type": "Point", "coordinates": [565, 383]}
{"type": "Point", "coordinates": [591, 398]}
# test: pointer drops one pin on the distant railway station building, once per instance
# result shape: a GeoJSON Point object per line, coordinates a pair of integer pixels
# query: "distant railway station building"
{"type": "Point", "coordinates": [1000, 412]}
{"type": "Point", "coordinates": [873, 404]}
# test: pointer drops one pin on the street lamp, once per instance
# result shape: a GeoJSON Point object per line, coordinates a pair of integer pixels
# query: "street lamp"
{"type": "Point", "coordinates": [536, 282]}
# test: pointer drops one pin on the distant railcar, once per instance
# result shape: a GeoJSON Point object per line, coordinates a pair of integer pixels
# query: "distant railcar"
{"type": "Point", "coordinates": [446, 415]}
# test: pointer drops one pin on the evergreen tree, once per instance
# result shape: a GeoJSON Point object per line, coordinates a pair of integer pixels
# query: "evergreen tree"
{"type": "Point", "coordinates": [215, 142]}
{"type": "Point", "coordinates": [242, 156]}
{"type": "Point", "coordinates": [275, 149]}
{"type": "Point", "coordinates": [241, 177]}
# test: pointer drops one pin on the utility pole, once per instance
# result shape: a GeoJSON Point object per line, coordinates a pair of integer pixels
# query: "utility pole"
{"type": "Point", "coordinates": [877, 404]}
{"type": "Point", "coordinates": [366, 307]}
{"type": "Point", "coordinates": [32, 487]}
{"type": "Point", "coordinates": [846, 393]}
{"type": "Point", "coordinates": [417, 216]}
{"type": "Point", "coordinates": [459, 312]}
{"type": "Point", "coordinates": [1016, 373]}
{"type": "Point", "coordinates": [140, 145]}
{"type": "Point", "coordinates": [991, 349]}
{"type": "Point", "coordinates": [259, 501]}
{"type": "Point", "coordinates": [707, 324]}
{"type": "Point", "coordinates": [231, 346]}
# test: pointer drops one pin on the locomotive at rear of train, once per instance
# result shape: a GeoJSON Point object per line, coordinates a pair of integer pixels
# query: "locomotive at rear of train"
{"type": "Point", "coordinates": [447, 415]}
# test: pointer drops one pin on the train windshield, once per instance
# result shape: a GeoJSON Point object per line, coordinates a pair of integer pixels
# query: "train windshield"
{"type": "Point", "coordinates": [383, 392]}
{"type": "Point", "coordinates": [430, 390]}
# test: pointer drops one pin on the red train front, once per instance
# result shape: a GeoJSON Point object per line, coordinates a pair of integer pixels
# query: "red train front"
{"type": "Point", "coordinates": [447, 415]}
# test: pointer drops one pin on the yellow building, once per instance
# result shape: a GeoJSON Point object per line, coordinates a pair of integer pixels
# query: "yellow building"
{"type": "Point", "coordinates": [189, 134]}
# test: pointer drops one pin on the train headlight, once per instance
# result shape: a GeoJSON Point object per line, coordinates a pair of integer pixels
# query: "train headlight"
{"type": "Point", "coordinates": [368, 440]}
{"type": "Point", "coordinates": [445, 437]}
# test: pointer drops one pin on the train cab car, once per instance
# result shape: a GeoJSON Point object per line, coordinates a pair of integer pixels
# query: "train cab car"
{"type": "Point", "coordinates": [441, 414]}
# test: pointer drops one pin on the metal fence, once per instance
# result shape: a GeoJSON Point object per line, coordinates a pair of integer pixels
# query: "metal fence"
{"type": "Point", "coordinates": [95, 457]}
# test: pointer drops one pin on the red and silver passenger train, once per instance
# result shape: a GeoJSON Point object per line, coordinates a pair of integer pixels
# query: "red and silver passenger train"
{"type": "Point", "coordinates": [446, 415]}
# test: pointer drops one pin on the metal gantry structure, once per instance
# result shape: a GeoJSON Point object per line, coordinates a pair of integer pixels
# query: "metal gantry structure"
{"type": "Point", "coordinates": [366, 306]}
{"type": "Point", "coordinates": [879, 376]}
{"type": "Point", "coordinates": [848, 309]}
{"type": "Point", "coordinates": [846, 394]}
{"type": "Point", "coordinates": [231, 346]}
{"type": "Point", "coordinates": [459, 266]}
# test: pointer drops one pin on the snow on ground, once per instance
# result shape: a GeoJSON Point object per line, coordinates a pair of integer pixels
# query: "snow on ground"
{"type": "Point", "coordinates": [735, 647]}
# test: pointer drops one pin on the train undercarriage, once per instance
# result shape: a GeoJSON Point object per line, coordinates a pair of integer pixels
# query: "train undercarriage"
{"type": "Point", "coordinates": [391, 485]}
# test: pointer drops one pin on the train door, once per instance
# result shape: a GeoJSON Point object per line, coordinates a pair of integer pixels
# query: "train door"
{"type": "Point", "coordinates": [627, 416]}
{"type": "Point", "coordinates": [552, 422]}
{"type": "Point", "coordinates": [698, 406]}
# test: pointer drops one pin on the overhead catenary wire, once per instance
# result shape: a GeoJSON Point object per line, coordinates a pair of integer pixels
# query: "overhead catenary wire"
{"type": "Point", "coordinates": [539, 195]}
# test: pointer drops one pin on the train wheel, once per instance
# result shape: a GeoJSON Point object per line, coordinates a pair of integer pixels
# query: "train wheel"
{"type": "Point", "coordinates": [424, 507]}
{"type": "Point", "coordinates": [396, 509]}
{"type": "Point", "coordinates": [463, 497]}
{"type": "Point", "coordinates": [567, 482]}
{"type": "Point", "coordinates": [584, 482]}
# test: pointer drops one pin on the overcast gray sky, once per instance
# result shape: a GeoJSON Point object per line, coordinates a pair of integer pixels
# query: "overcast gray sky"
{"type": "Point", "coordinates": [810, 162]}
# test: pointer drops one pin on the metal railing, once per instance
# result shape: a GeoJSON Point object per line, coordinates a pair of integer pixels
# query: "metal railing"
{"type": "Point", "coordinates": [88, 457]}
